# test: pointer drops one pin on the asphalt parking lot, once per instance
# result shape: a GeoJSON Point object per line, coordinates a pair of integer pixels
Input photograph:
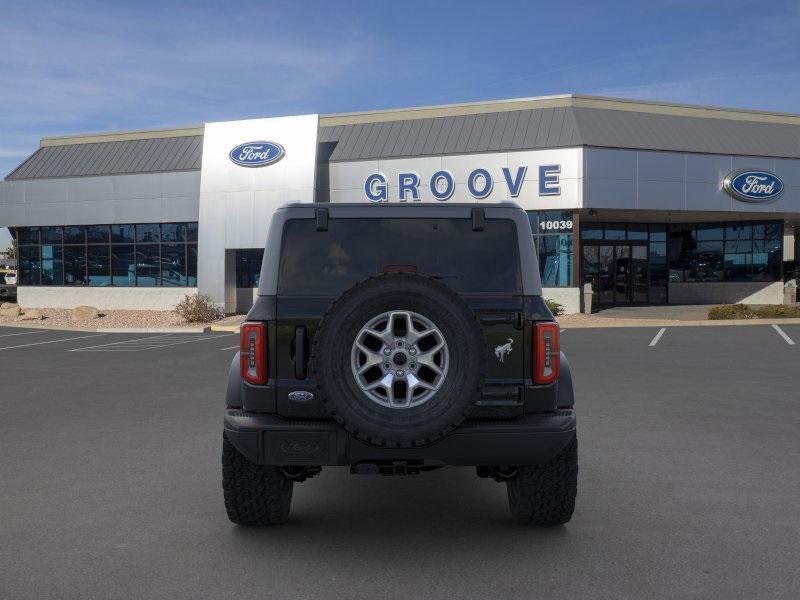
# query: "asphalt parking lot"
{"type": "Point", "coordinates": [688, 485]}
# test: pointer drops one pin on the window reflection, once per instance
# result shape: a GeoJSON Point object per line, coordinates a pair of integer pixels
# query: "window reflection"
{"type": "Point", "coordinates": [144, 254]}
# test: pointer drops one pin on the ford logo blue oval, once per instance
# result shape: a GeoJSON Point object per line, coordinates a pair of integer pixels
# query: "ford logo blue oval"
{"type": "Point", "coordinates": [300, 396]}
{"type": "Point", "coordinates": [753, 186]}
{"type": "Point", "coordinates": [257, 154]}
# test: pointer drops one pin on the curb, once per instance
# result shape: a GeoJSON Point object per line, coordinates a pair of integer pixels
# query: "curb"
{"type": "Point", "coordinates": [226, 328]}
{"type": "Point", "coordinates": [607, 323]}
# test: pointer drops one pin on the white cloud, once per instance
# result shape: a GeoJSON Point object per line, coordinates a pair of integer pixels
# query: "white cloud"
{"type": "Point", "coordinates": [70, 68]}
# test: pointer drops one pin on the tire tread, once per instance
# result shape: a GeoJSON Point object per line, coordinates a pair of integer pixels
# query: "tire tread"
{"type": "Point", "coordinates": [544, 495]}
{"type": "Point", "coordinates": [254, 494]}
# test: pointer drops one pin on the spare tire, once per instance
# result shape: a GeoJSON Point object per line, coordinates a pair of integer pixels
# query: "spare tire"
{"type": "Point", "coordinates": [399, 360]}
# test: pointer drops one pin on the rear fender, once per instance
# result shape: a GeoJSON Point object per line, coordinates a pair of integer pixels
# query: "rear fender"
{"type": "Point", "coordinates": [233, 395]}
{"type": "Point", "coordinates": [566, 395]}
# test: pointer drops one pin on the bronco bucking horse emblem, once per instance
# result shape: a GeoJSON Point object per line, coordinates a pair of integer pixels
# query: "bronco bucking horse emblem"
{"type": "Point", "coordinates": [503, 350]}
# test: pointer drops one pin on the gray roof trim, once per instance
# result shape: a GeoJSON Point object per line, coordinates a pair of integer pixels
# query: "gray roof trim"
{"type": "Point", "coordinates": [561, 127]}
{"type": "Point", "coordinates": [508, 125]}
{"type": "Point", "coordinates": [152, 155]}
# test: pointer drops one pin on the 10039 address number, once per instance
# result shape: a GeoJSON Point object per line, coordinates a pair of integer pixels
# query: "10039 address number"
{"type": "Point", "coordinates": [556, 225]}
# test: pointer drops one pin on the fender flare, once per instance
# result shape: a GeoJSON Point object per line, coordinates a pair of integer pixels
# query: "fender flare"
{"type": "Point", "coordinates": [233, 394]}
{"type": "Point", "coordinates": [566, 394]}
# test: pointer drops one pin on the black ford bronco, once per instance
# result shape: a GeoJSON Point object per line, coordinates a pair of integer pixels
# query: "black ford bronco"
{"type": "Point", "coordinates": [397, 339]}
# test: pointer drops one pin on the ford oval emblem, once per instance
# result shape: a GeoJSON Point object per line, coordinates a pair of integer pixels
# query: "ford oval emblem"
{"type": "Point", "coordinates": [300, 396]}
{"type": "Point", "coordinates": [257, 154]}
{"type": "Point", "coordinates": [753, 186]}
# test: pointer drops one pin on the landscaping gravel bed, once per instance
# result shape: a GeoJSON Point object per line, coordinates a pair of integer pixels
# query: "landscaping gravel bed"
{"type": "Point", "coordinates": [59, 318]}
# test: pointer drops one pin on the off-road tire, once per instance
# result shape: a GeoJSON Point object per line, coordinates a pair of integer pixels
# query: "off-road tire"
{"type": "Point", "coordinates": [366, 419]}
{"type": "Point", "coordinates": [544, 495]}
{"type": "Point", "coordinates": [254, 494]}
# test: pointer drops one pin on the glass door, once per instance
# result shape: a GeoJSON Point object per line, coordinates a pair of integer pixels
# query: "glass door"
{"type": "Point", "coordinates": [618, 272]}
{"type": "Point", "coordinates": [622, 274]}
{"type": "Point", "coordinates": [605, 275]}
{"type": "Point", "coordinates": [639, 283]}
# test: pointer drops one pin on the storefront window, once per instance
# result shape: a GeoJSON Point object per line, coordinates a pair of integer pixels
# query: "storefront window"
{"type": "Point", "coordinates": [51, 235]}
{"type": "Point", "coordinates": [148, 265]}
{"type": "Point", "coordinates": [75, 265]}
{"type": "Point", "coordinates": [52, 265]}
{"type": "Point", "coordinates": [726, 252]}
{"type": "Point", "coordinates": [74, 235]}
{"type": "Point", "coordinates": [553, 232]}
{"type": "Point", "coordinates": [122, 234]}
{"type": "Point", "coordinates": [30, 263]}
{"type": "Point", "coordinates": [173, 265]}
{"type": "Point", "coordinates": [592, 231]}
{"type": "Point", "coordinates": [98, 258]}
{"type": "Point", "coordinates": [123, 265]}
{"type": "Point", "coordinates": [148, 254]}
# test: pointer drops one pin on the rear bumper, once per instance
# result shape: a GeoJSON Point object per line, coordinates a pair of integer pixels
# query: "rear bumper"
{"type": "Point", "coordinates": [272, 440]}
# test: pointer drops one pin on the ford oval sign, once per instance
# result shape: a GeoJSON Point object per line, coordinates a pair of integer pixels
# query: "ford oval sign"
{"type": "Point", "coordinates": [257, 154]}
{"type": "Point", "coordinates": [753, 186]}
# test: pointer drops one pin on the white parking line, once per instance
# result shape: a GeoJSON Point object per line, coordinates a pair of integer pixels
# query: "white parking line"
{"type": "Point", "coordinates": [231, 348]}
{"type": "Point", "coordinates": [83, 337]}
{"type": "Point", "coordinates": [658, 336]}
{"type": "Point", "coordinates": [25, 333]}
{"type": "Point", "coordinates": [148, 343]}
{"type": "Point", "coordinates": [782, 333]}
{"type": "Point", "coordinates": [152, 337]}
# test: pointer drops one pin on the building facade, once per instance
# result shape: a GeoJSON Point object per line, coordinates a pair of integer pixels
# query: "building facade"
{"type": "Point", "coordinates": [650, 203]}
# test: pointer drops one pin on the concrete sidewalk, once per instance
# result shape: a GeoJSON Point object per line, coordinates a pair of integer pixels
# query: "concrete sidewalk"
{"type": "Point", "coordinates": [694, 312]}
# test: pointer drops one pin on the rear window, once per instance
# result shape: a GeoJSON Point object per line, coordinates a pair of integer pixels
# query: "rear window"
{"type": "Point", "coordinates": [329, 262]}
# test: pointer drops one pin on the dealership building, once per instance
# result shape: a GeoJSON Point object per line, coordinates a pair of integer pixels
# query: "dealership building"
{"type": "Point", "coordinates": [650, 203]}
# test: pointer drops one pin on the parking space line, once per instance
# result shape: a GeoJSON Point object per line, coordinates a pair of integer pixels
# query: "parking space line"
{"type": "Point", "coordinates": [230, 348]}
{"type": "Point", "coordinates": [657, 337]}
{"type": "Point", "coordinates": [152, 337]}
{"type": "Point", "coordinates": [148, 343]}
{"type": "Point", "coordinates": [83, 337]}
{"type": "Point", "coordinates": [782, 333]}
{"type": "Point", "coordinates": [25, 333]}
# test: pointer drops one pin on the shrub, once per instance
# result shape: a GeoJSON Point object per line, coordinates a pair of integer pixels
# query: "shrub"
{"type": "Point", "coordinates": [746, 311]}
{"type": "Point", "coordinates": [778, 311]}
{"type": "Point", "coordinates": [731, 311]}
{"type": "Point", "coordinates": [198, 308]}
{"type": "Point", "coordinates": [555, 308]}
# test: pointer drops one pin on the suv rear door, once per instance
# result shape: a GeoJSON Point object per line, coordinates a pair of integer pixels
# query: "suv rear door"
{"type": "Point", "coordinates": [481, 264]}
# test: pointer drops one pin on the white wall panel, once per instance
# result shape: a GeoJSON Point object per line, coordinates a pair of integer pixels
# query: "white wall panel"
{"type": "Point", "coordinates": [107, 199]}
{"type": "Point", "coordinates": [601, 163]}
{"type": "Point", "coordinates": [655, 180]}
{"type": "Point", "coordinates": [228, 216]}
{"type": "Point", "coordinates": [661, 195]}
{"type": "Point", "coordinates": [661, 166]}
{"type": "Point", "coordinates": [707, 196]}
{"type": "Point", "coordinates": [705, 168]}
{"type": "Point", "coordinates": [104, 298]}
{"type": "Point", "coordinates": [749, 162]}
{"type": "Point", "coordinates": [610, 193]}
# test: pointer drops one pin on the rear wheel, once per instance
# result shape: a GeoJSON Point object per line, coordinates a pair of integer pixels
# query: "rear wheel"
{"type": "Point", "coordinates": [254, 494]}
{"type": "Point", "coordinates": [544, 495]}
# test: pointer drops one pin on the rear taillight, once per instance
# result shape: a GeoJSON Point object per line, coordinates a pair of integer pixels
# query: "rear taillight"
{"type": "Point", "coordinates": [253, 352]}
{"type": "Point", "coordinates": [546, 353]}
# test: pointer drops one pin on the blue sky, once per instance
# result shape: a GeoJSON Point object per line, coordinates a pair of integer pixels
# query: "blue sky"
{"type": "Point", "coordinates": [74, 67]}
